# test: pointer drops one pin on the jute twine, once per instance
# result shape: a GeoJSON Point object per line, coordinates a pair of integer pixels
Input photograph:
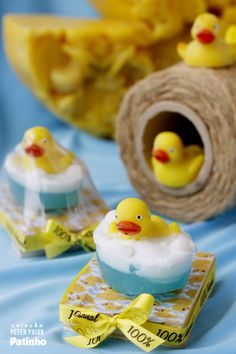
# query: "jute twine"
{"type": "Point", "coordinates": [199, 104]}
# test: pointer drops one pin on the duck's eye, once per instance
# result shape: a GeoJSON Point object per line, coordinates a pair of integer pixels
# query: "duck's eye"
{"type": "Point", "coordinates": [116, 216]}
{"type": "Point", "coordinates": [171, 150]}
{"type": "Point", "coordinates": [44, 141]}
{"type": "Point", "coordinates": [139, 217]}
{"type": "Point", "coordinates": [216, 27]}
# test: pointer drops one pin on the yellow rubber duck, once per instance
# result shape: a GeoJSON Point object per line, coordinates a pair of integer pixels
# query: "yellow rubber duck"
{"type": "Point", "coordinates": [43, 152]}
{"type": "Point", "coordinates": [175, 165]}
{"type": "Point", "coordinates": [208, 48]}
{"type": "Point", "coordinates": [134, 219]}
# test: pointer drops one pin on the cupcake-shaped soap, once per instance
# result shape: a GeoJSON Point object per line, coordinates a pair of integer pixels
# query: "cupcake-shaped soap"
{"type": "Point", "coordinates": [140, 253]}
{"type": "Point", "coordinates": [43, 174]}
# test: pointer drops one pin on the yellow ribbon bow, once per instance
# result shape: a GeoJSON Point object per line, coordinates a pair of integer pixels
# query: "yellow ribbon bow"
{"type": "Point", "coordinates": [57, 239]}
{"type": "Point", "coordinates": [94, 327]}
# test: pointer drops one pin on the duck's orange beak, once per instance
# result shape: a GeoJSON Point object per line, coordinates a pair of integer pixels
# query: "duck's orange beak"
{"type": "Point", "coordinates": [34, 150]}
{"type": "Point", "coordinates": [128, 228]}
{"type": "Point", "coordinates": [161, 155]}
{"type": "Point", "coordinates": [205, 36]}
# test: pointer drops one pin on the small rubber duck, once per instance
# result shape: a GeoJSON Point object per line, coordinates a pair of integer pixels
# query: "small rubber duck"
{"type": "Point", "coordinates": [175, 165]}
{"type": "Point", "coordinates": [43, 152]}
{"type": "Point", "coordinates": [208, 48]}
{"type": "Point", "coordinates": [134, 219]}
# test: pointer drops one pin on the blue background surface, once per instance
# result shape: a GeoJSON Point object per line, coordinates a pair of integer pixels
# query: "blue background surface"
{"type": "Point", "coordinates": [30, 289]}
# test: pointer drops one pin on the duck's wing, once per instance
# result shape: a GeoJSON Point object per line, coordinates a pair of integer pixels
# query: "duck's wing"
{"type": "Point", "coordinates": [174, 227]}
{"type": "Point", "coordinates": [113, 228]}
{"type": "Point", "coordinates": [163, 228]}
{"type": "Point", "coordinates": [160, 226]}
{"type": "Point", "coordinates": [65, 159]}
{"type": "Point", "coordinates": [194, 150]}
{"type": "Point", "coordinates": [158, 220]}
{"type": "Point", "coordinates": [70, 156]}
{"type": "Point", "coordinates": [181, 49]}
{"type": "Point", "coordinates": [230, 36]}
{"type": "Point", "coordinates": [196, 165]}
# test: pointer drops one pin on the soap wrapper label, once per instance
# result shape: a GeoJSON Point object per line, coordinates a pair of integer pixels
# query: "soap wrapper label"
{"type": "Point", "coordinates": [173, 314]}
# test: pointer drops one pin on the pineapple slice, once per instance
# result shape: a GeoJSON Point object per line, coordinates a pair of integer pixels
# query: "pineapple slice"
{"type": "Point", "coordinates": [164, 17]}
{"type": "Point", "coordinates": [81, 69]}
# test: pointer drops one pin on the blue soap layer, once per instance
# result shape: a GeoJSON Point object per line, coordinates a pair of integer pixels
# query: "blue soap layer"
{"type": "Point", "coordinates": [132, 284]}
{"type": "Point", "coordinates": [49, 201]}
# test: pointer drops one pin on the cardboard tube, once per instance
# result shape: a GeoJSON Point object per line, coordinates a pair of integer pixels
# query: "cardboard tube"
{"type": "Point", "coordinates": [200, 106]}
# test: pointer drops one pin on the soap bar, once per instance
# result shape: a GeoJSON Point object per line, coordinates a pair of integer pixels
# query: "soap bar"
{"type": "Point", "coordinates": [80, 69]}
{"type": "Point", "coordinates": [173, 314]}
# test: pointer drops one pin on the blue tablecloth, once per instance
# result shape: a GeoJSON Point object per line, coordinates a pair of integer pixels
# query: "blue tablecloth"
{"type": "Point", "coordinates": [30, 289]}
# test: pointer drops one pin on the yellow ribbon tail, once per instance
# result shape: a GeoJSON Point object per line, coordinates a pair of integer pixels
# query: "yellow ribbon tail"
{"type": "Point", "coordinates": [138, 335]}
{"type": "Point", "coordinates": [35, 243]}
{"type": "Point", "coordinates": [85, 342]}
{"type": "Point", "coordinates": [139, 309]}
{"type": "Point", "coordinates": [54, 249]}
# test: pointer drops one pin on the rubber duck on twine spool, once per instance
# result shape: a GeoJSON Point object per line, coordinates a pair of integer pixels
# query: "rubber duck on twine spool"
{"type": "Point", "coordinates": [197, 103]}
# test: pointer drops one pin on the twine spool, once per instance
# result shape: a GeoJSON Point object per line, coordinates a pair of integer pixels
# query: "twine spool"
{"type": "Point", "coordinates": [200, 105]}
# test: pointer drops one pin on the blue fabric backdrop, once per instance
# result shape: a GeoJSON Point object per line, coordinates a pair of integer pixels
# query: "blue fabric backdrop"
{"type": "Point", "coordinates": [30, 289]}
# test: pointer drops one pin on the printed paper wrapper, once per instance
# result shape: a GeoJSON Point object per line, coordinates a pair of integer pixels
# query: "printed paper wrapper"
{"type": "Point", "coordinates": [173, 314]}
{"type": "Point", "coordinates": [68, 228]}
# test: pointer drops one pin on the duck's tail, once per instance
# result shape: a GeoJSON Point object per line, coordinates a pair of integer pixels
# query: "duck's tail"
{"type": "Point", "coordinates": [181, 49]}
{"type": "Point", "coordinates": [174, 227]}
